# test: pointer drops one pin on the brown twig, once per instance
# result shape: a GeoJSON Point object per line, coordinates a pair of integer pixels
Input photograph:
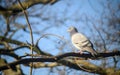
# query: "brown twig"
{"type": "Point", "coordinates": [31, 35]}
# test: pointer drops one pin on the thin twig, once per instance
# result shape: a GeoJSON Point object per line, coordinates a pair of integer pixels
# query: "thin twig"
{"type": "Point", "coordinates": [104, 44]}
{"type": "Point", "coordinates": [8, 26]}
{"type": "Point", "coordinates": [44, 35]}
{"type": "Point", "coordinates": [49, 34]}
{"type": "Point", "coordinates": [31, 35]}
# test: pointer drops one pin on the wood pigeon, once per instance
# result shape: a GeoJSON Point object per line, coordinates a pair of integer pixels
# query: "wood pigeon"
{"type": "Point", "coordinates": [80, 41]}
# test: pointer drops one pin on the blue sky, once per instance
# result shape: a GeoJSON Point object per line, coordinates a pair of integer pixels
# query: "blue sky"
{"type": "Point", "coordinates": [55, 19]}
{"type": "Point", "coordinates": [59, 17]}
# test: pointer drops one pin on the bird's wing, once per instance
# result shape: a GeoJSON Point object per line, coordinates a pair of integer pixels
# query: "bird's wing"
{"type": "Point", "coordinates": [80, 40]}
{"type": "Point", "coordinates": [83, 43]}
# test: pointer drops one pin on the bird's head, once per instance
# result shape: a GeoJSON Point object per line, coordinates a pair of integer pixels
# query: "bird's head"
{"type": "Point", "coordinates": [72, 29]}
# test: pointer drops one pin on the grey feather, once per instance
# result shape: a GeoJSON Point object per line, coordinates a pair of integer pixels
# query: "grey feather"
{"type": "Point", "coordinates": [80, 41]}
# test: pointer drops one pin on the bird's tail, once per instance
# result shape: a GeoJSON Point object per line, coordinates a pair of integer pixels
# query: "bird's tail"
{"type": "Point", "coordinates": [92, 51]}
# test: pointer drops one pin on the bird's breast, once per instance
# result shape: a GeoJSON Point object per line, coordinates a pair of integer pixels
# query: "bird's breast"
{"type": "Point", "coordinates": [79, 40]}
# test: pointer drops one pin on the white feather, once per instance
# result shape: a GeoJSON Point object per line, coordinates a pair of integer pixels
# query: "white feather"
{"type": "Point", "coordinates": [81, 42]}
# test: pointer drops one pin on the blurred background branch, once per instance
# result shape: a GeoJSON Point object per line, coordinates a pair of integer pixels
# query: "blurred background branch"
{"type": "Point", "coordinates": [49, 20]}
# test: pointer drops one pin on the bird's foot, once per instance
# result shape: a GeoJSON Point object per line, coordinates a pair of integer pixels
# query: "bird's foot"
{"type": "Point", "coordinates": [80, 52]}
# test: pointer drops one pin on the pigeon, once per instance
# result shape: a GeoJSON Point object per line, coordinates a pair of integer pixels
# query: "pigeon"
{"type": "Point", "coordinates": [81, 42]}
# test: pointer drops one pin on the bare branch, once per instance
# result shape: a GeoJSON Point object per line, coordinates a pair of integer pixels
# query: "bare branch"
{"type": "Point", "coordinates": [3, 39]}
{"type": "Point", "coordinates": [60, 57]}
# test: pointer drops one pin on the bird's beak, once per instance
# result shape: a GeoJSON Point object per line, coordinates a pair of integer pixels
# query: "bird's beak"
{"type": "Point", "coordinates": [68, 30]}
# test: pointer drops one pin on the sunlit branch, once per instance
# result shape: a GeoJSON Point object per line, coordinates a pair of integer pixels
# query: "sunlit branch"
{"type": "Point", "coordinates": [60, 57]}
